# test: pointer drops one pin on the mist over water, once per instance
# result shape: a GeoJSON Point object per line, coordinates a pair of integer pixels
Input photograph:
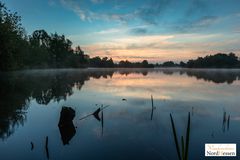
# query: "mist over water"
{"type": "Point", "coordinates": [128, 125]}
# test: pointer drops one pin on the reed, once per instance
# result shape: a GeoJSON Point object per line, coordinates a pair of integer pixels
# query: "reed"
{"type": "Point", "coordinates": [152, 107]}
{"type": "Point", "coordinates": [228, 122]}
{"type": "Point", "coordinates": [175, 138]}
{"type": "Point", "coordinates": [187, 137]}
{"type": "Point", "coordinates": [224, 117]}
{"type": "Point", "coordinates": [102, 119]}
{"type": "Point", "coordinates": [46, 147]}
{"type": "Point", "coordinates": [184, 145]}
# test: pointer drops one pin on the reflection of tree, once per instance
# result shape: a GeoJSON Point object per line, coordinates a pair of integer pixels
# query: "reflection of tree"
{"type": "Point", "coordinates": [14, 102]}
{"type": "Point", "coordinates": [17, 89]}
{"type": "Point", "coordinates": [168, 72]}
{"type": "Point", "coordinates": [215, 76]}
{"type": "Point", "coordinates": [143, 71]}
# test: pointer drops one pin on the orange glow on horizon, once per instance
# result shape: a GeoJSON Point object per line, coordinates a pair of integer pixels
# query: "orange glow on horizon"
{"type": "Point", "coordinates": [160, 48]}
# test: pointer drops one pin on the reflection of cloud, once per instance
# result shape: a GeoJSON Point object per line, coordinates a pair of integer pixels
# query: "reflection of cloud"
{"type": "Point", "coordinates": [235, 118]}
{"type": "Point", "coordinates": [157, 84]}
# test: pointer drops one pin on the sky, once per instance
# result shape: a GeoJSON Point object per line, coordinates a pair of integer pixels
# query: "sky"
{"type": "Point", "coordinates": [155, 30]}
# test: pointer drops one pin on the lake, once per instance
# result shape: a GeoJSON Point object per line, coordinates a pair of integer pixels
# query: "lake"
{"type": "Point", "coordinates": [129, 125]}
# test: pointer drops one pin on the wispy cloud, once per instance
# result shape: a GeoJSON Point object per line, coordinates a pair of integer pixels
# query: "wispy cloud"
{"type": "Point", "coordinates": [138, 31]}
{"type": "Point", "coordinates": [108, 31]}
{"type": "Point", "coordinates": [51, 2]}
{"type": "Point", "coordinates": [154, 12]}
{"type": "Point", "coordinates": [197, 25]}
{"type": "Point", "coordinates": [156, 30]}
{"type": "Point", "coordinates": [160, 48]}
{"type": "Point", "coordinates": [97, 1]}
{"type": "Point", "coordinates": [86, 14]}
{"type": "Point", "coordinates": [147, 12]}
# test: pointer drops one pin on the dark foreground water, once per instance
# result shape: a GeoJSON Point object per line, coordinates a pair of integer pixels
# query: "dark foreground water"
{"type": "Point", "coordinates": [130, 128]}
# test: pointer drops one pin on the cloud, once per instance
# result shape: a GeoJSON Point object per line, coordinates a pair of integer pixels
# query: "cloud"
{"type": "Point", "coordinates": [151, 12]}
{"type": "Point", "coordinates": [205, 21]}
{"type": "Point", "coordinates": [193, 18]}
{"type": "Point", "coordinates": [51, 2]}
{"type": "Point", "coordinates": [157, 48]}
{"type": "Point", "coordinates": [146, 13]}
{"type": "Point", "coordinates": [108, 31]}
{"type": "Point", "coordinates": [156, 29]}
{"type": "Point", "coordinates": [86, 14]}
{"type": "Point", "coordinates": [97, 1]}
{"type": "Point", "coordinates": [196, 7]}
{"type": "Point", "coordinates": [196, 25]}
{"type": "Point", "coordinates": [138, 31]}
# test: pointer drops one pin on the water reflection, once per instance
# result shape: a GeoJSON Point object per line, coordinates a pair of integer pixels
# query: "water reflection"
{"type": "Point", "coordinates": [32, 146]}
{"type": "Point", "coordinates": [128, 93]}
{"type": "Point", "coordinates": [18, 88]}
{"type": "Point", "coordinates": [215, 76]}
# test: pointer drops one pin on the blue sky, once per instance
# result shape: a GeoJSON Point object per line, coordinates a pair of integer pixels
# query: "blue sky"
{"type": "Point", "coordinates": [156, 30]}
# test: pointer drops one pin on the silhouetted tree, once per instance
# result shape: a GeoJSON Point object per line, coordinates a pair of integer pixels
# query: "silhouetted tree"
{"type": "Point", "coordinates": [144, 63]}
{"type": "Point", "coordinates": [169, 64]}
{"type": "Point", "coordinates": [219, 60]}
{"type": "Point", "coordinates": [12, 37]}
{"type": "Point", "coordinates": [182, 64]}
{"type": "Point", "coordinates": [127, 64]}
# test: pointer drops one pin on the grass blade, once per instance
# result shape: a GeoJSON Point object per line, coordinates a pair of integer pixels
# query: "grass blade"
{"type": "Point", "coordinates": [152, 107]}
{"type": "Point", "coordinates": [175, 138]}
{"type": "Point", "coordinates": [187, 137]}
{"type": "Point", "coordinates": [182, 147]}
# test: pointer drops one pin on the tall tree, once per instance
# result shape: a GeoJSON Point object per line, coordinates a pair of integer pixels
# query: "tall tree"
{"type": "Point", "coordinates": [11, 33]}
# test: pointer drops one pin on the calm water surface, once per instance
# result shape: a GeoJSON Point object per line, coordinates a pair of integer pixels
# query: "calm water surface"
{"type": "Point", "coordinates": [130, 128]}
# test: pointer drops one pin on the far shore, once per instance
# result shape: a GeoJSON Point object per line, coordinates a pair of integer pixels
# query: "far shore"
{"type": "Point", "coordinates": [116, 68]}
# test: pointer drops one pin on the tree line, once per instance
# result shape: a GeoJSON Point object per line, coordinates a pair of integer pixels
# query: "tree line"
{"type": "Point", "coordinates": [219, 60]}
{"type": "Point", "coordinates": [43, 50]}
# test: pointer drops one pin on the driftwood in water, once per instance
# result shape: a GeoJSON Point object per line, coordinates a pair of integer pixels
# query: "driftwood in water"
{"type": "Point", "coordinates": [95, 113]}
{"type": "Point", "coordinates": [66, 116]}
{"type": "Point", "coordinates": [65, 125]}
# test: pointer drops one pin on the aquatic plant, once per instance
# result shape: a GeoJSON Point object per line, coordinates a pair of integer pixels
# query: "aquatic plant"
{"type": "Point", "coordinates": [184, 145]}
{"type": "Point", "coordinates": [152, 107]}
